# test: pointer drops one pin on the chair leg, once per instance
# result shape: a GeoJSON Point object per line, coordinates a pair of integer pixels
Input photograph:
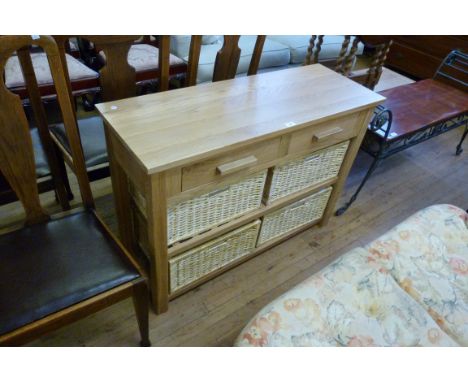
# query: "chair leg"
{"type": "Point", "coordinates": [372, 167]}
{"type": "Point", "coordinates": [141, 304]}
{"type": "Point", "coordinates": [459, 146]}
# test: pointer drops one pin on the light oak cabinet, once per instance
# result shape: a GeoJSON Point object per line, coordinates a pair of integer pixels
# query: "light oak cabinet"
{"type": "Point", "coordinates": [209, 176]}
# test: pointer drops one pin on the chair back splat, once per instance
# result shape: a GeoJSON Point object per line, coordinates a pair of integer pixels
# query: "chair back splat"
{"type": "Point", "coordinates": [16, 150]}
{"type": "Point", "coordinates": [117, 77]}
{"type": "Point", "coordinates": [227, 58]}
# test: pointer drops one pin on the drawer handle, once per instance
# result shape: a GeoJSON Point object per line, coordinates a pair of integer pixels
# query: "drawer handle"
{"type": "Point", "coordinates": [327, 133]}
{"type": "Point", "coordinates": [218, 246]}
{"type": "Point", "coordinates": [216, 192]}
{"type": "Point", "coordinates": [229, 168]}
{"type": "Point", "coordinates": [311, 158]}
{"type": "Point", "coordinates": [297, 205]}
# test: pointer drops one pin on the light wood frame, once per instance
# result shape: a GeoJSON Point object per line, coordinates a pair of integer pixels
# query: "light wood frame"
{"type": "Point", "coordinates": [163, 188]}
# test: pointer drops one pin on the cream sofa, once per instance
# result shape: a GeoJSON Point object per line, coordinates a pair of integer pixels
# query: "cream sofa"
{"type": "Point", "coordinates": [279, 52]}
{"type": "Point", "coordinates": [407, 288]}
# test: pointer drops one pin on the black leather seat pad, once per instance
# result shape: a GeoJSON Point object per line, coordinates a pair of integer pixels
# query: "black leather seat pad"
{"type": "Point", "coordinates": [48, 267]}
{"type": "Point", "coordinates": [92, 136]}
{"type": "Point", "coordinates": [42, 167]}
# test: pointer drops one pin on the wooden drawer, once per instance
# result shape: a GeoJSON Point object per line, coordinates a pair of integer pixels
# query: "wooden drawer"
{"type": "Point", "coordinates": [221, 167]}
{"type": "Point", "coordinates": [325, 134]}
{"type": "Point", "coordinates": [209, 257]}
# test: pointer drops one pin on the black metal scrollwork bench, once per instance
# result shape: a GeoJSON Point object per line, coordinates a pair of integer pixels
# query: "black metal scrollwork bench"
{"type": "Point", "coordinates": [417, 112]}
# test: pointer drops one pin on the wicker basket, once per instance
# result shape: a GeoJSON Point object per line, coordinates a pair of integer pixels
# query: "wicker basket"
{"type": "Point", "coordinates": [294, 215]}
{"type": "Point", "coordinates": [307, 171]}
{"type": "Point", "coordinates": [199, 214]}
{"type": "Point", "coordinates": [200, 261]}
{"type": "Point", "coordinates": [209, 210]}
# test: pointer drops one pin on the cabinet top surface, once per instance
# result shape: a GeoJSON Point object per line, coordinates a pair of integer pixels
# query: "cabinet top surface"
{"type": "Point", "coordinates": [177, 127]}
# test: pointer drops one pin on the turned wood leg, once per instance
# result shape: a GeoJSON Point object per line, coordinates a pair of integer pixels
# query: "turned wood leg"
{"type": "Point", "coordinates": [140, 302]}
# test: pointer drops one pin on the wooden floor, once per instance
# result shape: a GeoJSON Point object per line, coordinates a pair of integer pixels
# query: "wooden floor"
{"type": "Point", "coordinates": [213, 314]}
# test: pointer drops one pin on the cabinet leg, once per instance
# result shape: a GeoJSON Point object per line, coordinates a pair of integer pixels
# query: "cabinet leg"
{"type": "Point", "coordinates": [156, 212]}
{"type": "Point", "coordinates": [159, 287]}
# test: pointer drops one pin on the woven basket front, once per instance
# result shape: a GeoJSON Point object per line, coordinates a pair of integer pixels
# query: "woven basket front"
{"type": "Point", "coordinates": [209, 210]}
{"type": "Point", "coordinates": [200, 261]}
{"type": "Point", "coordinates": [294, 215]}
{"type": "Point", "coordinates": [307, 171]}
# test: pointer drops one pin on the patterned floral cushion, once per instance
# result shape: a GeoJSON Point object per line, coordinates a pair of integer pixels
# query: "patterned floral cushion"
{"type": "Point", "coordinates": [145, 57]}
{"type": "Point", "coordinates": [14, 77]}
{"type": "Point", "coordinates": [428, 256]}
{"type": "Point", "coordinates": [409, 288]}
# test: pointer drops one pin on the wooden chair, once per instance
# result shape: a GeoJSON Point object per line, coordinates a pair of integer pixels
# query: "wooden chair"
{"type": "Point", "coordinates": [227, 58]}
{"type": "Point", "coordinates": [143, 56]}
{"type": "Point", "coordinates": [343, 64]}
{"type": "Point", "coordinates": [117, 80]}
{"type": "Point", "coordinates": [84, 80]}
{"type": "Point", "coordinates": [50, 171]}
{"type": "Point", "coordinates": [55, 270]}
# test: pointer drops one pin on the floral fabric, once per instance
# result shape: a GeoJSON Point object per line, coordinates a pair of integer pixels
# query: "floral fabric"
{"type": "Point", "coordinates": [428, 257]}
{"type": "Point", "coordinates": [14, 76]}
{"type": "Point", "coordinates": [146, 57]}
{"type": "Point", "coordinates": [407, 288]}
